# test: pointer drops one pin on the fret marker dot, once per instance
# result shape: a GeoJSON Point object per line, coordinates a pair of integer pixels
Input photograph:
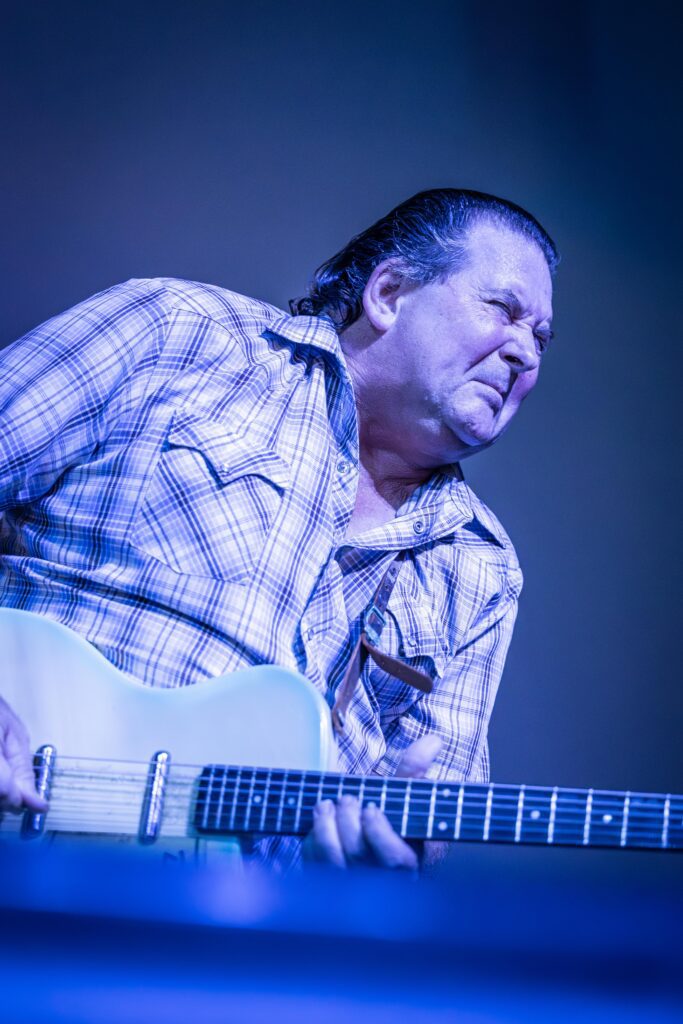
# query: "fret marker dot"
{"type": "Point", "coordinates": [291, 801]}
{"type": "Point", "coordinates": [257, 799]}
{"type": "Point", "coordinates": [535, 815]}
{"type": "Point", "coordinates": [442, 825]}
{"type": "Point", "coordinates": [446, 792]}
{"type": "Point", "coordinates": [607, 818]}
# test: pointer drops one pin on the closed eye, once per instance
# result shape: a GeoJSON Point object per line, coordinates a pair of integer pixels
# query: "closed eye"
{"type": "Point", "coordinates": [543, 339]}
{"type": "Point", "coordinates": [501, 305]}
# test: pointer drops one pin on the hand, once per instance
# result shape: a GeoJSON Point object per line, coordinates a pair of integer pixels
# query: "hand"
{"type": "Point", "coordinates": [17, 781]}
{"type": "Point", "coordinates": [345, 834]}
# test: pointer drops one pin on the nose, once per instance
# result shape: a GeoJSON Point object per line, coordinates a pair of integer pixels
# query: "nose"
{"type": "Point", "coordinates": [520, 350]}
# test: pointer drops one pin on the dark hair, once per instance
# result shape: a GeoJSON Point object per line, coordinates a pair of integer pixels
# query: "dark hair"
{"type": "Point", "coordinates": [426, 235]}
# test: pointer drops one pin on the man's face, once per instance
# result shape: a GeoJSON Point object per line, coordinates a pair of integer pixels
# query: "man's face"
{"type": "Point", "coordinates": [473, 344]}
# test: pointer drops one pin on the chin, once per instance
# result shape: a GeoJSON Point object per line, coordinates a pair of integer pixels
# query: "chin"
{"type": "Point", "coordinates": [476, 435]}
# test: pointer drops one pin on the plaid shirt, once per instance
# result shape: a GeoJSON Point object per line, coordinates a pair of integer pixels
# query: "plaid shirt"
{"type": "Point", "coordinates": [178, 465]}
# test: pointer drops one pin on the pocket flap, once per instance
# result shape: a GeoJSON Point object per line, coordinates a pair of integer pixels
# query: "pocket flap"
{"type": "Point", "coordinates": [418, 635]}
{"type": "Point", "coordinates": [230, 457]}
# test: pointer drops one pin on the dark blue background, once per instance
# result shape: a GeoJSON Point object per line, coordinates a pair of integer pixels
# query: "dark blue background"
{"type": "Point", "coordinates": [243, 144]}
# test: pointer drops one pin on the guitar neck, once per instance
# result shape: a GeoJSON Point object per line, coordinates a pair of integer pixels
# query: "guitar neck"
{"type": "Point", "coordinates": [252, 800]}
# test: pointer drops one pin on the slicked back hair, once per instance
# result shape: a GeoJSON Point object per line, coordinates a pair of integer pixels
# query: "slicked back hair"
{"type": "Point", "coordinates": [426, 235]}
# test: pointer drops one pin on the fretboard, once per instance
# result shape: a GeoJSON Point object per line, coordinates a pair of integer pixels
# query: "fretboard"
{"type": "Point", "coordinates": [260, 801]}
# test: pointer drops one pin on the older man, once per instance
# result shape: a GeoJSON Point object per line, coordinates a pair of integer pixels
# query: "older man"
{"type": "Point", "coordinates": [196, 483]}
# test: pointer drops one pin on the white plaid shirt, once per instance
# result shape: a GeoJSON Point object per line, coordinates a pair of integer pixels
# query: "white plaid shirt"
{"type": "Point", "coordinates": [178, 465]}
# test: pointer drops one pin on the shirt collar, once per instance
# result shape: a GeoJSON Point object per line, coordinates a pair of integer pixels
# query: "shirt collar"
{"type": "Point", "coordinates": [317, 331]}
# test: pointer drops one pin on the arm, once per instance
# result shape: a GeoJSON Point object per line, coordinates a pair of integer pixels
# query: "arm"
{"type": "Point", "coordinates": [60, 387]}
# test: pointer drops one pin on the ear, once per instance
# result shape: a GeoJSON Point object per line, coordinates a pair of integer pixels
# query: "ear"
{"type": "Point", "coordinates": [383, 292]}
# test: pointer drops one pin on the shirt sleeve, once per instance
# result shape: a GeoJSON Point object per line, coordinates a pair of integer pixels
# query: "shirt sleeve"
{"type": "Point", "coordinates": [60, 383]}
{"type": "Point", "coordinates": [459, 708]}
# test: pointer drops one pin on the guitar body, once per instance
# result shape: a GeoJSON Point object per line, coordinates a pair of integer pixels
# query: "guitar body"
{"type": "Point", "coordinates": [68, 695]}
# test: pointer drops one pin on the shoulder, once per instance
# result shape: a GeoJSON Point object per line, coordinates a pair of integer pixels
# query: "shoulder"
{"type": "Point", "coordinates": [224, 307]}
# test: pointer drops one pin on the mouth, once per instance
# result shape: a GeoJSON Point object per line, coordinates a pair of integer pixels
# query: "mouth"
{"type": "Point", "coordinates": [499, 391]}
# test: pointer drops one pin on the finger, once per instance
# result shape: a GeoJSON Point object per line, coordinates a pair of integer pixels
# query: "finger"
{"type": "Point", "coordinates": [10, 794]}
{"type": "Point", "coordinates": [20, 761]}
{"type": "Point", "coordinates": [418, 757]}
{"type": "Point", "coordinates": [323, 844]}
{"type": "Point", "coordinates": [387, 846]}
{"type": "Point", "coordinates": [350, 829]}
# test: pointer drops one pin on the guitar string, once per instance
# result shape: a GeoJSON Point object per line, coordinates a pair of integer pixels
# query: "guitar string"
{"type": "Point", "coordinates": [395, 788]}
{"type": "Point", "coordinates": [97, 796]}
{"type": "Point", "coordinates": [71, 809]}
{"type": "Point", "coordinates": [419, 796]}
{"type": "Point", "coordinates": [92, 796]}
{"type": "Point", "coordinates": [125, 826]}
{"type": "Point", "coordinates": [95, 789]}
{"type": "Point", "coordinates": [142, 770]}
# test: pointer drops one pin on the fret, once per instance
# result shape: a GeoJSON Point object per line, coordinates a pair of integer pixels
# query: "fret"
{"type": "Point", "coordinates": [233, 809]}
{"type": "Point", "coordinates": [361, 792]}
{"type": "Point", "coordinates": [281, 807]}
{"type": "Point", "coordinates": [209, 806]}
{"type": "Point", "coordinates": [536, 815]}
{"type": "Point", "coordinates": [383, 798]}
{"type": "Point", "coordinates": [473, 811]}
{"type": "Point", "coordinates": [297, 819]}
{"type": "Point", "coordinates": [406, 805]}
{"type": "Point", "coordinates": [606, 818]}
{"type": "Point", "coordinates": [503, 811]}
{"type": "Point", "coordinates": [445, 810]}
{"type": "Point", "coordinates": [248, 804]}
{"type": "Point", "coordinates": [487, 817]}
{"type": "Point", "coordinates": [372, 790]}
{"type": "Point", "coordinates": [218, 813]}
{"type": "Point", "coordinates": [587, 819]}
{"type": "Point", "coordinates": [665, 825]}
{"type": "Point", "coordinates": [204, 791]}
{"type": "Point", "coordinates": [569, 817]}
{"type": "Point", "coordinates": [290, 802]}
{"type": "Point", "coordinates": [330, 788]}
{"type": "Point", "coordinates": [273, 802]}
{"type": "Point", "coordinates": [418, 808]}
{"type": "Point", "coordinates": [551, 819]}
{"type": "Point", "coordinates": [520, 812]}
{"type": "Point", "coordinates": [624, 821]}
{"type": "Point", "coordinates": [264, 808]}
{"type": "Point", "coordinates": [396, 802]}
{"type": "Point", "coordinates": [675, 838]}
{"type": "Point", "coordinates": [458, 814]}
{"type": "Point", "coordinates": [646, 814]}
{"type": "Point", "coordinates": [352, 785]}
{"type": "Point", "coordinates": [430, 813]}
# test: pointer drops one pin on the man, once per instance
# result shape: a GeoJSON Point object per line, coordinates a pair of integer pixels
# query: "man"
{"type": "Point", "coordinates": [197, 483]}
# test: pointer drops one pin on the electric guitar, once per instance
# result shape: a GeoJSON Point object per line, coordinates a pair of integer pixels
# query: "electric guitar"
{"type": "Point", "coordinates": [251, 753]}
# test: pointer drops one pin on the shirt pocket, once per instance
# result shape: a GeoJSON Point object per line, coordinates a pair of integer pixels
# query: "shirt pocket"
{"type": "Point", "coordinates": [211, 501]}
{"type": "Point", "coordinates": [411, 634]}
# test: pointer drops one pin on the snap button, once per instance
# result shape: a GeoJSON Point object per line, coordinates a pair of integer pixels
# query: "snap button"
{"type": "Point", "coordinates": [419, 526]}
{"type": "Point", "coordinates": [342, 467]}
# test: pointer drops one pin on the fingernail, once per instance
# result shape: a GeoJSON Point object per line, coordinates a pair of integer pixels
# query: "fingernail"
{"type": "Point", "coordinates": [371, 811]}
{"type": "Point", "coordinates": [325, 807]}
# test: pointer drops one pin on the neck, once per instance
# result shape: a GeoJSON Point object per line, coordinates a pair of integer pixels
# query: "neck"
{"type": "Point", "coordinates": [400, 443]}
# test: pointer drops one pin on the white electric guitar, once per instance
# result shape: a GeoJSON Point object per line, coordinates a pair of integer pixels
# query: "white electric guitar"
{"type": "Point", "coordinates": [251, 753]}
